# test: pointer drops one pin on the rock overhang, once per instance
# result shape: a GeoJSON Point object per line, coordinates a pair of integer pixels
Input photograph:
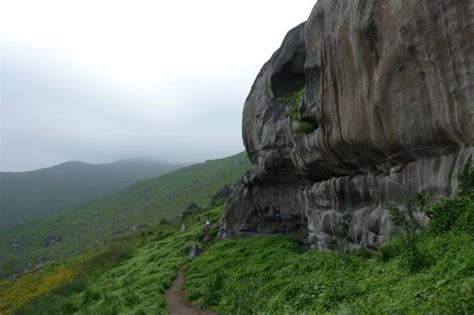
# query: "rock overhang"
{"type": "Point", "coordinates": [390, 89]}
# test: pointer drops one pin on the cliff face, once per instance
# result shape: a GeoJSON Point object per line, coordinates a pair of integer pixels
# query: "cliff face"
{"type": "Point", "coordinates": [386, 111]}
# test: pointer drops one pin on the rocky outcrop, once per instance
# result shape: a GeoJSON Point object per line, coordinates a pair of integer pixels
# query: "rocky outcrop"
{"type": "Point", "coordinates": [52, 239]}
{"type": "Point", "coordinates": [190, 209]}
{"type": "Point", "coordinates": [386, 111]}
{"type": "Point", "coordinates": [221, 196]}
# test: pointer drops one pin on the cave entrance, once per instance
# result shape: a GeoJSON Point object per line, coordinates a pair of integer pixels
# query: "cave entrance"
{"type": "Point", "coordinates": [290, 77]}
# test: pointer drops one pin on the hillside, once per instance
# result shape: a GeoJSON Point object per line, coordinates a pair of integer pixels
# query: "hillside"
{"type": "Point", "coordinates": [139, 207]}
{"type": "Point", "coordinates": [427, 272]}
{"type": "Point", "coordinates": [355, 193]}
{"type": "Point", "coordinates": [45, 191]}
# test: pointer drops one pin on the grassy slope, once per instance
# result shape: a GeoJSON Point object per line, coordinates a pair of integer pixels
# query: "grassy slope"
{"type": "Point", "coordinates": [127, 284]}
{"type": "Point", "coordinates": [92, 225]}
{"type": "Point", "coordinates": [45, 191]}
{"type": "Point", "coordinates": [429, 272]}
{"type": "Point", "coordinates": [268, 275]}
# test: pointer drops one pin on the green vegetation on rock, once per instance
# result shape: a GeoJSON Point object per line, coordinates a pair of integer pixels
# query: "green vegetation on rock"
{"type": "Point", "coordinates": [302, 125]}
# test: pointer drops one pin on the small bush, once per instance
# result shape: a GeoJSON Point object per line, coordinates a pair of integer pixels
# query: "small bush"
{"type": "Point", "coordinates": [446, 213]}
{"type": "Point", "coordinates": [108, 256]}
{"type": "Point", "coordinates": [305, 127]}
{"type": "Point", "coordinates": [90, 295]}
{"type": "Point", "coordinates": [292, 99]}
{"type": "Point", "coordinates": [466, 180]}
{"type": "Point", "coordinates": [165, 221]}
{"type": "Point", "coordinates": [455, 212]}
{"type": "Point", "coordinates": [411, 257]}
{"type": "Point", "coordinates": [420, 202]}
{"type": "Point", "coordinates": [75, 285]}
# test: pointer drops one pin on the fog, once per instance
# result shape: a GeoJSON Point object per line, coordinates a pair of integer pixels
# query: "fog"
{"type": "Point", "coordinates": [99, 81]}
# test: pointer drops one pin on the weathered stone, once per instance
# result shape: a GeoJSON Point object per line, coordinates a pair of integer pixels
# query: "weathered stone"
{"type": "Point", "coordinates": [139, 226]}
{"type": "Point", "coordinates": [16, 245]}
{"type": "Point", "coordinates": [389, 91]}
{"type": "Point", "coordinates": [40, 260]}
{"type": "Point", "coordinates": [119, 231]}
{"type": "Point", "coordinates": [221, 196]}
{"type": "Point", "coordinates": [52, 239]}
{"type": "Point", "coordinates": [192, 208]}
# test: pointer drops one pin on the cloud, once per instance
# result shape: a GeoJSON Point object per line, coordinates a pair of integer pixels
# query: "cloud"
{"type": "Point", "coordinates": [102, 80]}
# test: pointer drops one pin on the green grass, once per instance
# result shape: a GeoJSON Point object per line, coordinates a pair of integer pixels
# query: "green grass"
{"type": "Point", "coordinates": [427, 272]}
{"type": "Point", "coordinates": [92, 225]}
{"type": "Point", "coordinates": [133, 284]}
{"type": "Point", "coordinates": [63, 278]}
{"type": "Point", "coordinates": [267, 274]}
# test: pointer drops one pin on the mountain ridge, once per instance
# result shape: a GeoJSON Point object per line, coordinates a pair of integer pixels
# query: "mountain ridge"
{"type": "Point", "coordinates": [44, 191]}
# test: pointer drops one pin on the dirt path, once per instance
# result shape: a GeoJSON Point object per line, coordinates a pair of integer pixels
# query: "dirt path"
{"type": "Point", "coordinates": [176, 303]}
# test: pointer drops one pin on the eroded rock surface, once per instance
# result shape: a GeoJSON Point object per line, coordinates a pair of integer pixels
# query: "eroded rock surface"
{"type": "Point", "coordinates": [389, 98]}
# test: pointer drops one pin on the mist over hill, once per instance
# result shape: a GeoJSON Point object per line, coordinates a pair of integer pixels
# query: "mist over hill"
{"type": "Point", "coordinates": [48, 190]}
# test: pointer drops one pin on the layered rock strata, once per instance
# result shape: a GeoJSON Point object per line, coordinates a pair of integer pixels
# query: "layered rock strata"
{"type": "Point", "coordinates": [387, 111]}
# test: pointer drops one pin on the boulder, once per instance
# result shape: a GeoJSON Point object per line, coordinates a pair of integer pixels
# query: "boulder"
{"type": "Point", "coordinates": [221, 196]}
{"type": "Point", "coordinates": [192, 208]}
{"type": "Point", "coordinates": [139, 226]}
{"type": "Point", "coordinates": [16, 245]}
{"type": "Point", "coordinates": [362, 107]}
{"type": "Point", "coordinates": [52, 239]}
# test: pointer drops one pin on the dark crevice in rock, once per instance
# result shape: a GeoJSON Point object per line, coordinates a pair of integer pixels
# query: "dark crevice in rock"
{"type": "Point", "coordinates": [291, 77]}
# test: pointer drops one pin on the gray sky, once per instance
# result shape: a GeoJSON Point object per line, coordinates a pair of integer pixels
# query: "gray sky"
{"type": "Point", "coordinates": [98, 81]}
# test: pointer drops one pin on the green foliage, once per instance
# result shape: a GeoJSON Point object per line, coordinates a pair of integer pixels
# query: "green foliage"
{"type": "Point", "coordinates": [293, 112]}
{"type": "Point", "coordinates": [92, 225]}
{"type": "Point", "coordinates": [420, 202]}
{"type": "Point", "coordinates": [428, 271]}
{"type": "Point", "coordinates": [305, 126]}
{"type": "Point", "coordinates": [455, 212]}
{"type": "Point", "coordinates": [412, 259]}
{"type": "Point", "coordinates": [268, 275]}
{"type": "Point", "coordinates": [466, 180]}
{"type": "Point", "coordinates": [133, 284]}
{"type": "Point", "coordinates": [399, 218]}
{"type": "Point", "coordinates": [292, 100]}
{"type": "Point", "coordinates": [62, 280]}
{"type": "Point", "coordinates": [447, 213]}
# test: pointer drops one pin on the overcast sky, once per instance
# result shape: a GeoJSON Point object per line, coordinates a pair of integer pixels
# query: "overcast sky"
{"type": "Point", "coordinates": [99, 81]}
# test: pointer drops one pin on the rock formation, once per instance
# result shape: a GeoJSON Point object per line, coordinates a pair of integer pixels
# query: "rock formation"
{"type": "Point", "coordinates": [221, 196]}
{"type": "Point", "coordinates": [386, 111]}
{"type": "Point", "coordinates": [190, 209]}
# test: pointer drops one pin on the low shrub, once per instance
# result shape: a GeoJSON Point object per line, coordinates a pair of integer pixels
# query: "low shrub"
{"type": "Point", "coordinates": [305, 126]}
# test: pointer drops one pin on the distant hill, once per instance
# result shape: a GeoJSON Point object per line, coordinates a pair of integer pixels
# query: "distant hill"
{"type": "Point", "coordinates": [45, 191]}
{"type": "Point", "coordinates": [139, 207]}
